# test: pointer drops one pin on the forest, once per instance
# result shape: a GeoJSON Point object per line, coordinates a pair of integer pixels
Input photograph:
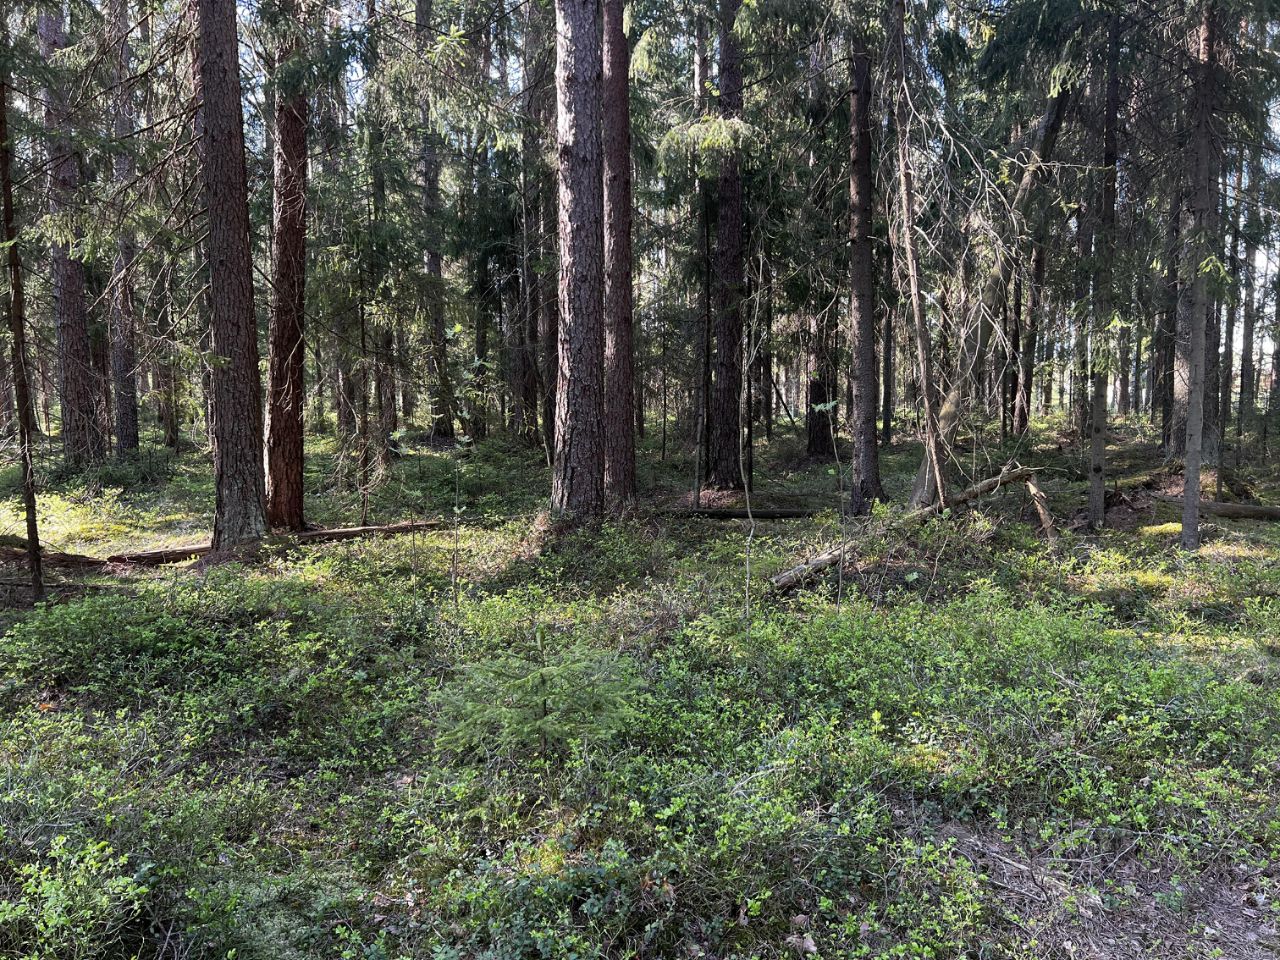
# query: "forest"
{"type": "Point", "coordinates": [623, 479]}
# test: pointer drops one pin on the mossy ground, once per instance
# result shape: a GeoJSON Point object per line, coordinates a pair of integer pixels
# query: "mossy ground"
{"type": "Point", "coordinates": [480, 742]}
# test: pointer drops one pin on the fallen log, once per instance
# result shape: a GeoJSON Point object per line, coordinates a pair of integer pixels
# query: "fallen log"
{"type": "Point", "coordinates": [1232, 511]}
{"type": "Point", "coordinates": [52, 558]}
{"type": "Point", "coordinates": [828, 558]}
{"type": "Point", "coordinates": [163, 555]}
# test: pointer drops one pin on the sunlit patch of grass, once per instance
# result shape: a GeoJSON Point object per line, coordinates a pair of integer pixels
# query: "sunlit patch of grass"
{"type": "Point", "coordinates": [1171, 529]}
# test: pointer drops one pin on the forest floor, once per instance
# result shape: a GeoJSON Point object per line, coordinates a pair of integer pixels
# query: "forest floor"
{"type": "Point", "coordinates": [482, 742]}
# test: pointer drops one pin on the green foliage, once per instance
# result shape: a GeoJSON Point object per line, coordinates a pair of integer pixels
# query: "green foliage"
{"type": "Point", "coordinates": [468, 744]}
{"type": "Point", "coordinates": [537, 696]}
{"type": "Point", "coordinates": [73, 903]}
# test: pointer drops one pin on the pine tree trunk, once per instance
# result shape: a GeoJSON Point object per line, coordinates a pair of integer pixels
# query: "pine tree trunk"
{"type": "Point", "coordinates": [577, 489]}
{"type": "Point", "coordinates": [1198, 248]}
{"type": "Point", "coordinates": [724, 454]}
{"type": "Point", "coordinates": [124, 376]}
{"type": "Point", "coordinates": [79, 382]}
{"type": "Point", "coordinates": [862, 320]}
{"type": "Point", "coordinates": [619, 400]}
{"type": "Point", "coordinates": [235, 388]}
{"type": "Point", "coordinates": [18, 333]}
{"type": "Point", "coordinates": [286, 346]}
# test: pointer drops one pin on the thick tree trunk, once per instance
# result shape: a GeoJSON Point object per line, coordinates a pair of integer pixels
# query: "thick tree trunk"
{"type": "Point", "coordinates": [18, 333]}
{"type": "Point", "coordinates": [724, 454]}
{"type": "Point", "coordinates": [1198, 248]}
{"type": "Point", "coordinates": [577, 488]}
{"type": "Point", "coordinates": [80, 391]}
{"type": "Point", "coordinates": [619, 400]}
{"type": "Point", "coordinates": [862, 321]}
{"type": "Point", "coordinates": [1103, 292]}
{"type": "Point", "coordinates": [236, 391]}
{"type": "Point", "coordinates": [286, 347]}
{"type": "Point", "coordinates": [124, 376]}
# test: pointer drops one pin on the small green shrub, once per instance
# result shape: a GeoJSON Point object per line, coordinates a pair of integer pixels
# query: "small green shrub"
{"type": "Point", "coordinates": [537, 696]}
{"type": "Point", "coordinates": [74, 903]}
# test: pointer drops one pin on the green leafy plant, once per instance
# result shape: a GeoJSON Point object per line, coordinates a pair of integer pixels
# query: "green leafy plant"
{"type": "Point", "coordinates": [539, 696]}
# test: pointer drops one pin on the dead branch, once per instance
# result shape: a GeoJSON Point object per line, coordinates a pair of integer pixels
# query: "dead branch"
{"type": "Point", "coordinates": [163, 555]}
{"type": "Point", "coordinates": [828, 558]}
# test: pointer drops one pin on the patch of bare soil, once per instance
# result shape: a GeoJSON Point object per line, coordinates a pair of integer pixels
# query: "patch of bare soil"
{"type": "Point", "coordinates": [1112, 906]}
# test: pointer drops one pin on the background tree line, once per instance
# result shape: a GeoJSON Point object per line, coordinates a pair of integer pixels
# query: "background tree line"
{"type": "Point", "coordinates": [231, 225]}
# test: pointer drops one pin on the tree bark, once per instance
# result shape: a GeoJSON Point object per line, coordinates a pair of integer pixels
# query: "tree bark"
{"type": "Point", "coordinates": [862, 411]}
{"type": "Point", "coordinates": [619, 401]}
{"type": "Point", "coordinates": [286, 347]}
{"type": "Point", "coordinates": [577, 489]}
{"type": "Point", "coordinates": [80, 391]}
{"type": "Point", "coordinates": [1203, 181]}
{"type": "Point", "coordinates": [18, 333]}
{"type": "Point", "coordinates": [124, 375]}
{"type": "Point", "coordinates": [724, 459]}
{"type": "Point", "coordinates": [236, 390]}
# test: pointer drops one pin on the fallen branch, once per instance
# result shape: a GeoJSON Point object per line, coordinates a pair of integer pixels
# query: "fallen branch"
{"type": "Point", "coordinates": [163, 555]}
{"type": "Point", "coordinates": [1041, 503]}
{"type": "Point", "coordinates": [1232, 511]}
{"type": "Point", "coordinates": [828, 558]}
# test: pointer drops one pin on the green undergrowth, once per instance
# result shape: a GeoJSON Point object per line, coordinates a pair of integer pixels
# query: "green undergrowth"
{"type": "Point", "coordinates": [478, 743]}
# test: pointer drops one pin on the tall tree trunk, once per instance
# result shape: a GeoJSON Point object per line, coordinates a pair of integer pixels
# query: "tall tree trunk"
{"type": "Point", "coordinates": [1104, 295]}
{"type": "Point", "coordinates": [1197, 250]}
{"type": "Point", "coordinates": [80, 391]}
{"type": "Point", "coordinates": [286, 347]}
{"type": "Point", "coordinates": [724, 460]}
{"type": "Point", "coordinates": [619, 400]}
{"type": "Point", "coordinates": [862, 321]}
{"type": "Point", "coordinates": [236, 390]}
{"type": "Point", "coordinates": [444, 406]}
{"type": "Point", "coordinates": [18, 332]}
{"type": "Point", "coordinates": [577, 488]}
{"type": "Point", "coordinates": [124, 375]}
{"type": "Point", "coordinates": [1252, 231]}
{"type": "Point", "coordinates": [906, 197]}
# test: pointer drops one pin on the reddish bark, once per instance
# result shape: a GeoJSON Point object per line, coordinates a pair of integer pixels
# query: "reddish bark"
{"type": "Point", "coordinates": [235, 387]}
{"type": "Point", "coordinates": [286, 347]}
